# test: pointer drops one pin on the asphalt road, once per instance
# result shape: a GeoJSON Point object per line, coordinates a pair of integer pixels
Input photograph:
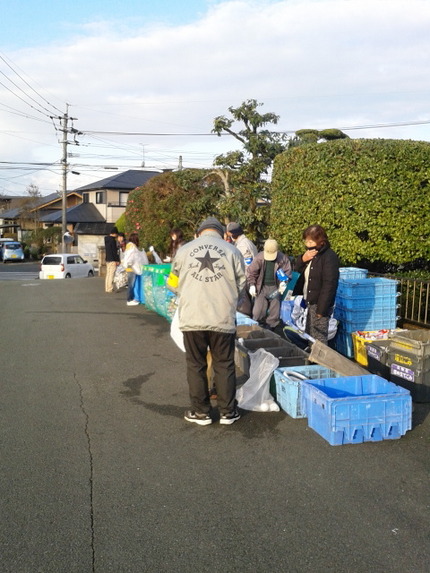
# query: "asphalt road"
{"type": "Point", "coordinates": [100, 473]}
{"type": "Point", "coordinates": [19, 270]}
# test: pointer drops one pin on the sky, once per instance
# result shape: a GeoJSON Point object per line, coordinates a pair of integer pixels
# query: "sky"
{"type": "Point", "coordinates": [144, 80]}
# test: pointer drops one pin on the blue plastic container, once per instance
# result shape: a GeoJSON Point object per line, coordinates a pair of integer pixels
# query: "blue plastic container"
{"type": "Point", "coordinates": [367, 287]}
{"type": "Point", "coordinates": [357, 409]}
{"type": "Point", "coordinates": [352, 273]}
{"type": "Point", "coordinates": [288, 382]}
{"type": "Point", "coordinates": [361, 302]}
{"type": "Point", "coordinates": [343, 343]}
{"type": "Point", "coordinates": [365, 315]}
{"type": "Point", "coordinates": [388, 323]}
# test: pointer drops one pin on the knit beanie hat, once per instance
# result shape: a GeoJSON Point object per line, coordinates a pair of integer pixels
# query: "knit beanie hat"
{"type": "Point", "coordinates": [211, 223]}
{"type": "Point", "coordinates": [235, 229]}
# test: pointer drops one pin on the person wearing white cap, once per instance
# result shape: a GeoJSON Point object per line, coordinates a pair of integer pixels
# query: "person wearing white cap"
{"type": "Point", "coordinates": [211, 275]}
{"type": "Point", "coordinates": [267, 275]}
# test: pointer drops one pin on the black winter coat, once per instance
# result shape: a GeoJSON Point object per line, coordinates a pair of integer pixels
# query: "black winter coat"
{"type": "Point", "coordinates": [323, 279]}
{"type": "Point", "coordinates": [111, 246]}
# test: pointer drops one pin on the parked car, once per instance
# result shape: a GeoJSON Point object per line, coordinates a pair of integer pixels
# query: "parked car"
{"type": "Point", "coordinates": [65, 266]}
{"type": "Point", "coordinates": [12, 251]}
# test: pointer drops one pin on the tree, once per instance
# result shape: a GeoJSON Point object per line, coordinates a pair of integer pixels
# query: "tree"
{"type": "Point", "coordinates": [28, 211]}
{"type": "Point", "coordinates": [175, 199]}
{"type": "Point", "coordinates": [244, 172]}
{"type": "Point", "coordinates": [306, 136]}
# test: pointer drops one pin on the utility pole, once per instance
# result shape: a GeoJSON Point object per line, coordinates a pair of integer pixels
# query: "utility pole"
{"type": "Point", "coordinates": [64, 125]}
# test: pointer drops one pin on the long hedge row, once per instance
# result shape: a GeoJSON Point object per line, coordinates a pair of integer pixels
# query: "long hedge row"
{"type": "Point", "coordinates": [371, 195]}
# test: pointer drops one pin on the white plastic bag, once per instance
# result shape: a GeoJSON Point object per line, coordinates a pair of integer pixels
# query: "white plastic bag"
{"type": "Point", "coordinates": [156, 256]}
{"type": "Point", "coordinates": [120, 279]}
{"type": "Point", "coordinates": [175, 333]}
{"type": "Point", "coordinates": [299, 316]}
{"type": "Point", "coordinates": [255, 394]}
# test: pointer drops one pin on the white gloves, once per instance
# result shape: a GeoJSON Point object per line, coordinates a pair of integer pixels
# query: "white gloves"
{"type": "Point", "coordinates": [252, 291]}
{"type": "Point", "coordinates": [282, 286]}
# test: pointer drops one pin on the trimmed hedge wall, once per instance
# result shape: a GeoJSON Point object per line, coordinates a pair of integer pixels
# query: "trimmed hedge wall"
{"type": "Point", "coordinates": [371, 195]}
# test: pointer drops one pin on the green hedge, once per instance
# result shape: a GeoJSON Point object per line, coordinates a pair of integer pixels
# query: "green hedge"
{"type": "Point", "coordinates": [372, 196]}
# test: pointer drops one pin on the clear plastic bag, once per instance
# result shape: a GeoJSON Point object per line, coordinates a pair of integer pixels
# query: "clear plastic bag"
{"type": "Point", "coordinates": [120, 279]}
{"type": "Point", "coordinates": [255, 393]}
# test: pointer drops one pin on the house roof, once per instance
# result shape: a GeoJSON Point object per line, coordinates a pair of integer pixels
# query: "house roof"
{"type": "Point", "coordinates": [93, 228]}
{"type": "Point", "coordinates": [128, 181]}
{"type": "Point", "coordinates": [11, 213]}
{"type": "Point", "coordinates": [83, 213]}
{"type": "Point", "coordinates": [36, 204]}
{"type": "Point", "coordinates": [52, 198]}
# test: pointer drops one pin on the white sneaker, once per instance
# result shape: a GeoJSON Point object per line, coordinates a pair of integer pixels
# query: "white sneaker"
{"type": "Point", "coordinates": [230, 418]}
{"type": "Point", "coordinates": [132, 302]}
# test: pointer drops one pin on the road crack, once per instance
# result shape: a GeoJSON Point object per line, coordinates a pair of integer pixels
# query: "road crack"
{"type": "Point", "coordinates": [91, 478]}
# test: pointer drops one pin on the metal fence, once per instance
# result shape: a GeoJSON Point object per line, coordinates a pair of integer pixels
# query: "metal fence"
{"type": "Point", "coordinates": [414, 300]}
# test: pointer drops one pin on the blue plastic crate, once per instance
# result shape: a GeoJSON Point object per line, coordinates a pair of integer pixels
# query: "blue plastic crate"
{"type": "Point", "coordinates": [361, 302]}
{"type": "Point", "coordinates": [288, 382]}
{"type": "Point", "coordinates": [368, 324]}
{"type": "Point", "coordinates": [366, 287]}
{"type": "Point", "coordinates": [343, 343]}
{"type": "Point", "coordinates": [352, 273]}
{"type": "Point", "coordinates": [364, 315]}
{"type": "Point", "coordinates": [357, 409]}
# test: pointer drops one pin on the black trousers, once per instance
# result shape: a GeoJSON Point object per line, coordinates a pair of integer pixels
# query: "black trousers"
{"type": "Point", "coordinates": [197, 343]}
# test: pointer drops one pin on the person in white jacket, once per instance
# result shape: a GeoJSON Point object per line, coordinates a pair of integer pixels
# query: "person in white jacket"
{"type": "Point", "coordinates": [133, 261]}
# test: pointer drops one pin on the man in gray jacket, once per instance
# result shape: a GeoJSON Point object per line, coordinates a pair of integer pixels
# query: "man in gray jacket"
{"type": "Point", "coordinates": [211, 276]}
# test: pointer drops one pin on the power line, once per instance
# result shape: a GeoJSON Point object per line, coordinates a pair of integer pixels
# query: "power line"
{"type": "Point", "coordinates": [22, 99]}
{"type": "Point", "coordinates": [85, 132]}
{"type": "Point", "coordinates": [283, 132]}
{"type": "Point", "coordinates": [27, 84]}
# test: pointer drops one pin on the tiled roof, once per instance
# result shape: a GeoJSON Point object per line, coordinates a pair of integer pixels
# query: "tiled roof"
{"type": "Point", "coordinates": [128, 180]}
{"type": "Point", "coordinates": [83, 213]}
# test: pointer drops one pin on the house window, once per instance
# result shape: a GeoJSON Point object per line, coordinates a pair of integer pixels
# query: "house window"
{"type": "Point", "coordinates": [123, 197]}
{"type": "Point", "coordinates": [100, 197]}
{"type": "Point", "coordinates": [85, 197]}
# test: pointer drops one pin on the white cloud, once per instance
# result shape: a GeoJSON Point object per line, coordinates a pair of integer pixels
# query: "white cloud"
{"type": "Point", "coordinates": [326, 63]}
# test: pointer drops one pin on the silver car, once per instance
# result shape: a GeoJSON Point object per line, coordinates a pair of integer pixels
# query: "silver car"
{"type": "Point", "coordinates": [65, 266]}
{"type": "Point", "coordinates": [12, 251]}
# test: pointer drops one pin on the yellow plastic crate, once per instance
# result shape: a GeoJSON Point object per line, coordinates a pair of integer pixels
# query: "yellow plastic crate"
{"type": "Point", "coordinates": [361, 338]}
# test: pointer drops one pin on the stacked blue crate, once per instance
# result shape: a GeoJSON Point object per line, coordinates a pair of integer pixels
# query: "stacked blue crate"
{"type": "Point", "coordinates": [363, 304]}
